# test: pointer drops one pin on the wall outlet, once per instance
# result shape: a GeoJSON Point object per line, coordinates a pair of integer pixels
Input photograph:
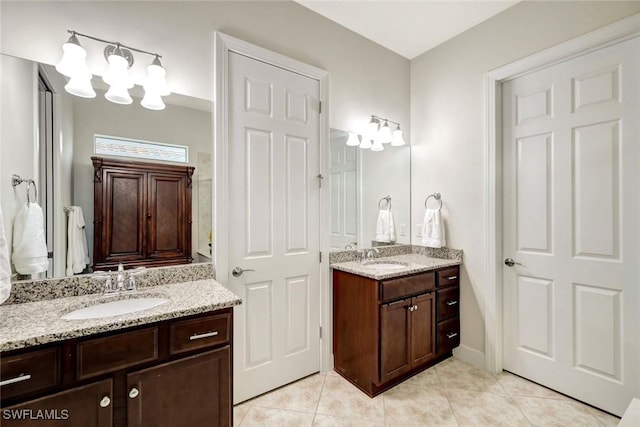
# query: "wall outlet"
{"type": "Point", "coordinates": [403, 229]}
{"type": "Point", "coordinates": [419, 230]}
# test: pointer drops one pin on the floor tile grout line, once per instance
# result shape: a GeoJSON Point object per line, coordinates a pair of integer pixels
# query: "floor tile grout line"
{"type": "Point", "coordinates": [446, 395]}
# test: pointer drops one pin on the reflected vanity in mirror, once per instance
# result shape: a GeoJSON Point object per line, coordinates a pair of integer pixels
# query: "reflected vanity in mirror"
{"type": "Point", "coordinates": [362, 183]}
{"type": "Point", "coordinates": [49, 135]}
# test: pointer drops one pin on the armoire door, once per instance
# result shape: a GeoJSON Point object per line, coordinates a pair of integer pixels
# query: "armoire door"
{"type": "Point", "coordinates": [166, 216]}
{"type": "Point", "coordinates": [124, 197]}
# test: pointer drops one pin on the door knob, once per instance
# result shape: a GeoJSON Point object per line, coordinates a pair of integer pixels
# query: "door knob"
{"type": "Point", "coordinates": [510, 262]}
{"type": "Point", "coordinates": [237, 271]}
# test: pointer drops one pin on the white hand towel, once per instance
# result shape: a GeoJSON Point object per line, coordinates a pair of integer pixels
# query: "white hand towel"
{"type": "Point", "coordinates": [29, 244]}
{"type": "Point", "coordinates": [433, 229]}
{"type": "Point", "coordinates": [385, 228]}
{"type": "Point", "coordinates": [5, 265]}
{"type": "Point", "coordinates": [77, 250]}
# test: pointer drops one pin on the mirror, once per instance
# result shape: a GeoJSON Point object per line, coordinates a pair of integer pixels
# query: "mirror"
{"type": "Point", "coordinates": [73, 121]}
{"type": "Point", "coordinates": [359, 181]}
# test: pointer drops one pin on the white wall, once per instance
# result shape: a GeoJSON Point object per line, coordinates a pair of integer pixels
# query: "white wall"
{"type": "Point", "coordinates": [365, 77]}
{"type": "Point", "coordinates": [447, 119]}
{"type": "Point", "coordinates": [173, 125]}
{"type": "Point", "coordinates": [18, 149]}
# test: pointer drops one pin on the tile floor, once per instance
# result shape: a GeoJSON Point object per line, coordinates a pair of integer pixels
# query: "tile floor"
{"type": "Point", "coordinates": [452, 393]}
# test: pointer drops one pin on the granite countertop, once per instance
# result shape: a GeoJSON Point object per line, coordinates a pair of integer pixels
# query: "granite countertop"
{"type": "Point", "coordinates": [40, 322]}
{"type": "Point", "coordinates": [415, 264]}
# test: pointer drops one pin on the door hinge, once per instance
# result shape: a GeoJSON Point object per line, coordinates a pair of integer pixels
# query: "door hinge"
{"type": "Point", "coordinates": [320, 332]}
{"type": "Point", "coordinates": [320, 179]}
{"type": "Point", "coordinates": [319, 107]}
{"type": "Point", "coordinates": [320, 257]}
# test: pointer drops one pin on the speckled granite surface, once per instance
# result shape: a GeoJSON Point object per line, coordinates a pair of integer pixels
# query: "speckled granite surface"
{"type": "Point", "coordinates": [40, 322]}
{"type": "Point", "coordinates": [37, 290]}
{"type": "Point", "coordinates": [354, 255]}
{"type": "Point", "coordinates": [345, 256]}
{"type": "Point", "coordinates": [415, 263]}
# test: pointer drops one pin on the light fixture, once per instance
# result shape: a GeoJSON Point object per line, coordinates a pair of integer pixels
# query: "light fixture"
{"type": "Point", "coordinates": [397, 139]}
{"type": "Point", "coordinates": [377, 133]}
{"type": "Point", "coordinates": [120, 59]}
{"type": "Point", "coordinates": [353, 140]}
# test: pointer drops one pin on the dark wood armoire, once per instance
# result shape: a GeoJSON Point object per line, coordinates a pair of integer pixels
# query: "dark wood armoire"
{"type": "Point", "coordinates": [142, 214]}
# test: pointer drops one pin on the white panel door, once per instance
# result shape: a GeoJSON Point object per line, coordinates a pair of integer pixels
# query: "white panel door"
{"type": "Point", "coordinates": [274, 224]}
{"type": "Point", "coordinates": [571, 219]}
{"type": "Point", "coordinates": [343, 186]}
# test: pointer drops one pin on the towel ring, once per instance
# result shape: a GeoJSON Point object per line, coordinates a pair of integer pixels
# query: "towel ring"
{"type": "Point", "coordinates": [35, 191]}
{"type": "Point", "coordinates": [436, 196]}
{"type": "Point", "coordinates": [385, 199]}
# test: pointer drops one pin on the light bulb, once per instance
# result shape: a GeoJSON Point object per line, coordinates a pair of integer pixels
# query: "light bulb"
{"type": "Point", "coordinates": [152, 101]}
{"type": "Point", "coordinates": [366, 143]}
{"type": "Point", "coordinates": [353, 140]}
{"type": "Point", "coordinates": [80, 86]}
{"type": "Point", "coordinates": [377, 146]}
{"type": "Point", "coordinates": [385, 133]}
{"type": "Point", "coordinates": [156, 78]}
{"type": "Point", "coordinates": [398, 140]}
{"type": "Point", "coordinates": [73, 61]}
{"type": "Point", "coordinates": [118, 94]}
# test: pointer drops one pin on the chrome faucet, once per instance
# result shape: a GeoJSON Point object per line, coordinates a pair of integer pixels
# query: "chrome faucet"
{"type": "Point", "coordinates": [366, 254]}
{"type": "Point", "coordinates": [120, 282]}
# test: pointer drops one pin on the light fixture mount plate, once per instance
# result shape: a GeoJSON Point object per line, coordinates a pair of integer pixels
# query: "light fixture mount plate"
{"type": "Point", "coordinates": [126, 53]}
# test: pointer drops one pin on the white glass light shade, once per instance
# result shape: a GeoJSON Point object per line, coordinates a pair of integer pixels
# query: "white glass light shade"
{"type": "Point", "coordinates": [372, 127]}
{"type": "Point", "coordinates": [353, 140]}
{"type": "Point", "coordinates": [118, 94]}
{"type": "Point", "coordinates": [152, 101]}
{"type": "Point", "coordinates": [118, 72]}
{"type": "Point", "coordinates": [377, 146]}
{"type": "Point", "coordinates": [73, 60]}
{"type": "Point", "coordinates": [80, 86]}
{"type": "Point", "coordinates": [397, 140]}
{"type": "Point", "coordinates": [156, 79]}
{"type": "Point", "coordinates": [385, 133]}
{"type": "Point", "coordinates": [366, 143]}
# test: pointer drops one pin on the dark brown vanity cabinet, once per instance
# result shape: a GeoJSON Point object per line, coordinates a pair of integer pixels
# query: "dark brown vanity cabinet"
{"type": "Point", "coordinates": [385, 331]}
{"type": "Point", "coordinates": [448, 309]}
{"type": "Point", "coordinates": [142, 214]}
{"type": "Point", "coordinates": [165, 374]}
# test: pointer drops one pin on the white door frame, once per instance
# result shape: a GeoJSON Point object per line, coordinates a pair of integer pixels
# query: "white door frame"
{"type": "Point", "coordinates": [222, 45]}
{"type": "Point", "coordinates": [622, 30]}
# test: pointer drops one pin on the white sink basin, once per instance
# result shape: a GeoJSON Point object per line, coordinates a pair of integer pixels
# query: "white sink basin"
{"type": "Point", "coordinates": [115, 308]}
{"type": "Point", "coordinates": [387, 265]}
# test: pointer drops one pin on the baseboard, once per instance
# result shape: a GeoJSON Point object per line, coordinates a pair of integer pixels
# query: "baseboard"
{"type": "Point", "coordinates": [470, 355]}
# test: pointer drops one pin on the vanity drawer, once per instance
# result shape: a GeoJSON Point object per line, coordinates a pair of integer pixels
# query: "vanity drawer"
{"type": "Point", "coordinates": [448, 301]}
{"type": "Point", "coordinates": [192, 334]}
{"type": "Point", "coordinates": [449, 276]}
{"type": "Point", "coordinates": [448, 334]}
{"type": "Point", "coordinates": [406, 286]}
{"type": "Point", "coordinates": [107, 354]}
{"type": "Point", "coordinates": [29, 372]}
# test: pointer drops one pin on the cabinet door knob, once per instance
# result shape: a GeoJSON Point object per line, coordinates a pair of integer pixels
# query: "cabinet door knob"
{"type": "Point", "coordinates": [415, 307]}
{"type": "Point", "coordinates": [105, 401]}
{"type": "Point", "coordinates": [133, 393]}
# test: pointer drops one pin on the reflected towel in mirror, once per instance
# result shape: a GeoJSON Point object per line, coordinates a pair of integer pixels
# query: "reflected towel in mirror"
{"type": "Point", "coordinates": [385, 228]}
{"type": "Point", "coordinates": [29, 244]}
{"type": "Point", "coordinates": [77, 249]}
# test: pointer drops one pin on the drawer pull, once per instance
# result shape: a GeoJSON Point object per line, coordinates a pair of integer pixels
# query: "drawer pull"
{"type": "Point", "coordinates": [19, 378]}
{"type": "Point", "coordinates": [450, 303]}
{"type": "Point", "coordinates": [452, 335]}
{"type": "Point", "coordinates": [105, 402]}
{"type": "Point", "coordinates": [452, 277]}
{"type": "Point", "coordinates": [133, 393]}
{"type": "Point", "coordinates": [201, 336]}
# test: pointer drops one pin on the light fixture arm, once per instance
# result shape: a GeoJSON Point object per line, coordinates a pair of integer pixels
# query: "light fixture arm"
{"type": "Point", "coordinates": [118, 44]}
{"type": "Point", "coordinates": [382, 119]}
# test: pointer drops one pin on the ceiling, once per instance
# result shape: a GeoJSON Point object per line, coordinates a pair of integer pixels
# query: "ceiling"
{"type": "Point", "coordinates": [408, 28]}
